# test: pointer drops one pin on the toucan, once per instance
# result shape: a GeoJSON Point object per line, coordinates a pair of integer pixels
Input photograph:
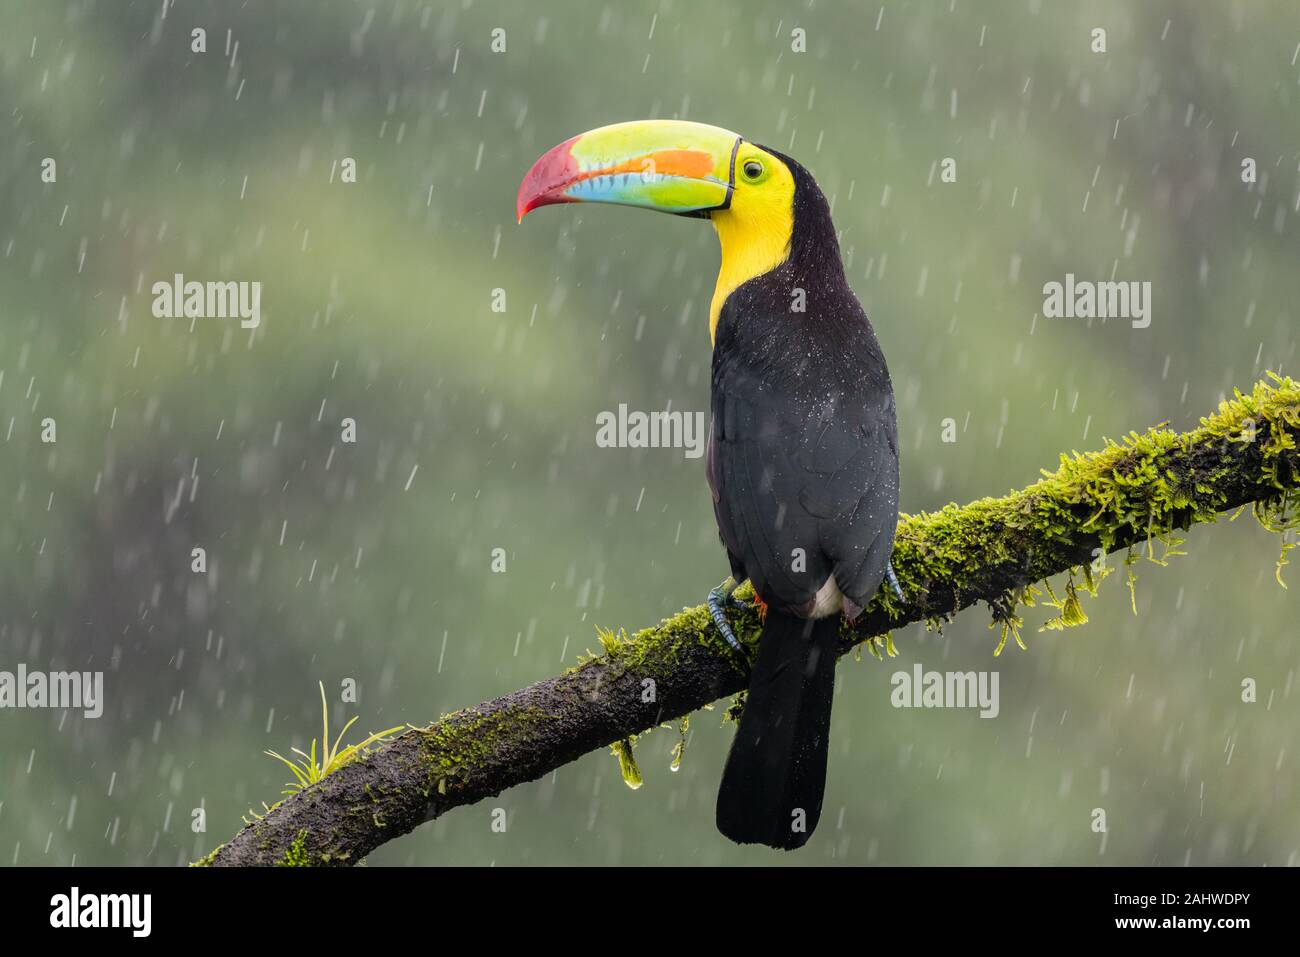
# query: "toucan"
{"type": "Point", "coordinates": [802, 455]}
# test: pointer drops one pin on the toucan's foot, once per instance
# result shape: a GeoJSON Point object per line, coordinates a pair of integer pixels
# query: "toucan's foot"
{"type": "Point", "coordinates": [719, 598]}
{"type": "Point", "coordinates": [893, 581]}
{"type": "Point", "coordinates": [738, 603]}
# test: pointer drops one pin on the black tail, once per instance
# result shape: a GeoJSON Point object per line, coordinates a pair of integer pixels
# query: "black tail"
{"type": "Point", "coordinates": [776, 772]}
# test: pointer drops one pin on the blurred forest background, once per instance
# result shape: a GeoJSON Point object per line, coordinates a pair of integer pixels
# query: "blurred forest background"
{"type": "Point", "coordinates": [476, 429]}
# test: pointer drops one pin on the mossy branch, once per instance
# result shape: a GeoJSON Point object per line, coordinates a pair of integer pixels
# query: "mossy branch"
{"type": "Point", "coordinates": [1135, 494]}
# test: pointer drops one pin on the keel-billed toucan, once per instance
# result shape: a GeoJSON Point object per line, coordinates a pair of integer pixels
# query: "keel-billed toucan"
{"type": "Point", "coordinates": [803, 446]}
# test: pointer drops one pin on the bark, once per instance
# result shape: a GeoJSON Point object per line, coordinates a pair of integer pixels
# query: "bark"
{"type": "Point", "coordinates": [1139, 492]}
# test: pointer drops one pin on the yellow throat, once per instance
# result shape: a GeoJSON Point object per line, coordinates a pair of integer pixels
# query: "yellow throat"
{"type": "Point", "coordinates": [755, 235]}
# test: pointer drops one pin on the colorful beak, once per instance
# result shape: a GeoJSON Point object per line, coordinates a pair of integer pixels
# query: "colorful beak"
{"type": "Point", "coordinates": [669, 165]}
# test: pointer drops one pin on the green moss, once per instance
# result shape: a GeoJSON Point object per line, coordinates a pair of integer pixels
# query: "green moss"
{"type": "Point", "coordinates": [679, 749]}
{"type": "Point", "coordinates": [458, 743]}
{"type": "Point", "coordinates": [296, 855]}
{"type": "Point", "coordinates": [657, 649]}
{"type": "Point", "coordinates": [736, 708]}
{"type": "Point", "coordinates": [1125, 491]}
{"type": "Point", "coordinates": [208, 859]}
{"type": "Point", "coordinates": [627, 761]}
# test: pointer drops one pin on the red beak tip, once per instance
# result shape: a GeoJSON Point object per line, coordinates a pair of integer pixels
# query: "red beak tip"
{"type": "Point", "coordinates": [545, 182]}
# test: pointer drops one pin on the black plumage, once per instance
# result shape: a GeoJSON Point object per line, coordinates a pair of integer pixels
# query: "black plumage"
{"type": "Point", "coordinates": [803, 465]}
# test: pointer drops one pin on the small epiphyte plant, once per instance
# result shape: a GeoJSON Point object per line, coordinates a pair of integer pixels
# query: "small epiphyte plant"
{"type": "Point", "coordinates": [310, 766]}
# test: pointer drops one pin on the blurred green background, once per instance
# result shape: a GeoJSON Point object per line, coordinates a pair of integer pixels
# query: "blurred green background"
{"type": "Point", "coordinates": [330, 561]}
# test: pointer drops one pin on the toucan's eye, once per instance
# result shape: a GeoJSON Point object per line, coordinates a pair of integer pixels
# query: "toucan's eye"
{"type": "Point", "coordinates": [753, 169]}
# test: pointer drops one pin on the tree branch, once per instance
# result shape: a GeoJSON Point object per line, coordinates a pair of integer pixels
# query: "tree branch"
{"type": "Point", "coordinates": [1134, 493]}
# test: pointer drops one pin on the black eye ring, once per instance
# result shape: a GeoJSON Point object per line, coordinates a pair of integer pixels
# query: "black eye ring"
{"type": "Point", "coordinates": [753, 169]}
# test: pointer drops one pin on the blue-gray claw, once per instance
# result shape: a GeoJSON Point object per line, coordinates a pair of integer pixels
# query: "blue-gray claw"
{"type": "Point", "coordinates": [893, 580]}
{"type": "Point", "coordinates": [718, 598]}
